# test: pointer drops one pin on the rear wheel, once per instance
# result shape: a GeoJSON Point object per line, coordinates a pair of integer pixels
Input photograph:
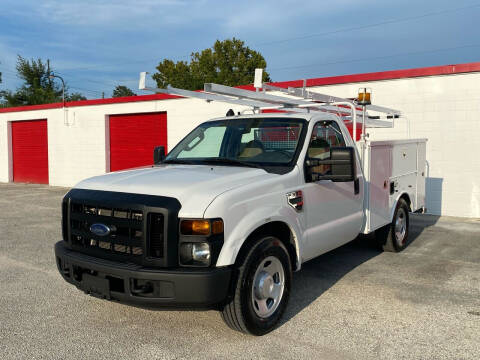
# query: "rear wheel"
{"type": "Point", "coordinates": [262, 289]}
{"type": "Point", "coordinates": [394, 237]}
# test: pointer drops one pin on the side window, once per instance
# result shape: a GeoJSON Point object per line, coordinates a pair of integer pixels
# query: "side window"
{"type": "Point", "coordinates": [207, 143]}
{"type": "Point", "coordinates": [325, 134]}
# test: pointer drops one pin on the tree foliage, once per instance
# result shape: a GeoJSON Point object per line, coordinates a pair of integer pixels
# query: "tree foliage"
{"type": "Point", "coordinates": [74, 97]}
{"type": "Point", "coordinates": [38, 87]}
{"type": "Point", "coordinates": [228, 62]}
{"type": "Point", "coordinates": [122, 90]}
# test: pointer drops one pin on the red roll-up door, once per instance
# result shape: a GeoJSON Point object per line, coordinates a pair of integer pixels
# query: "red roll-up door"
{"type": "Point", "coordinates": [30, 151]}
{"type": "Point", "coordinates": [133, 138]}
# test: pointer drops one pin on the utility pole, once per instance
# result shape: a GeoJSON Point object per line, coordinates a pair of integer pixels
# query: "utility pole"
{"type": "Point", "coordinates": [51, 76]}
{"type": "Point", "coordinates": [65, 119]}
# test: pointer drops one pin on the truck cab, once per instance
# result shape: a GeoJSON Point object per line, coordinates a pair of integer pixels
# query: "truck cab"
{"type": "Point", "coordinates": [225, 218]}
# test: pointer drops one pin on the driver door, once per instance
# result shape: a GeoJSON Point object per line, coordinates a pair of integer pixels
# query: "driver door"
{"type": "Point", "coordinates": [334, 211]}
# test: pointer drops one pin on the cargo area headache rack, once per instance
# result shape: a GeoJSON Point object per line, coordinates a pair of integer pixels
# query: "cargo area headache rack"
{"type": "Point", "coordinates": [297, 100]}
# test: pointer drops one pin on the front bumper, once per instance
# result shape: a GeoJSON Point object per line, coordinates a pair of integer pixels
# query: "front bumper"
{"type": "Point", "coordinates": [146, 287]}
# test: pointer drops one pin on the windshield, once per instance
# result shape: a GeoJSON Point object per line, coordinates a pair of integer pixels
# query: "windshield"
{"type": "Point", "coordinates": [250, 142]}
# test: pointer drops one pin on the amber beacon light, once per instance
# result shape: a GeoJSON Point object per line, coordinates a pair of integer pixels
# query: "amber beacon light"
{"type": "Point", "coordinates": [364, 96]}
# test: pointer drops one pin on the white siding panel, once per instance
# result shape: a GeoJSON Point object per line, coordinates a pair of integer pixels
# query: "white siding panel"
{"type": "Point", "coordinates": [4, 163]}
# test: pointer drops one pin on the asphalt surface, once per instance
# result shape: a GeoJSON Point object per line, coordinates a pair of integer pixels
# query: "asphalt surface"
{"type": "Point", "coordinates": [353, 303]}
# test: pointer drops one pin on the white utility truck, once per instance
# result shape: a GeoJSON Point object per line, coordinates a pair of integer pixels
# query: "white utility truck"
{"type": "Point", "coordinates": [240, 203]}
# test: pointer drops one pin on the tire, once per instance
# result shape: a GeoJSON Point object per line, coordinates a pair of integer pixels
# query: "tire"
{"type": "Point", "coordinates": [394, 237]}
{"type": "Point", "coordinates": [262, 288]}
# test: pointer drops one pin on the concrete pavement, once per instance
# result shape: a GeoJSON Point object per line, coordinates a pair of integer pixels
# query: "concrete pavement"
{"type": "Point", "coordinates": [353, 303]}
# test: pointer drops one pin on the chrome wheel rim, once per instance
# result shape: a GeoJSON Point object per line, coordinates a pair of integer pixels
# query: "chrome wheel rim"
{"type": "Point", "coordinates": [401, 226]}
{"type": "Point", "coordinates": [268, 287]}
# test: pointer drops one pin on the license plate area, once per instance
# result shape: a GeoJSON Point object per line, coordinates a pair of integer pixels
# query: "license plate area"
{"type": "Point", "coordinates": [95, 286]}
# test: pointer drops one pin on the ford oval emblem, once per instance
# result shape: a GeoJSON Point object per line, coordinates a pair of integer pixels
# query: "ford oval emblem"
{"type": "Point", "coordinates": [100, 229]}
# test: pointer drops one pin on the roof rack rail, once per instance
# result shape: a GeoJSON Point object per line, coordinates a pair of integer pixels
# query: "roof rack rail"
{"type": "Point", "coordinates": [314, 96]}
{"type": "Point", "coordinates": [297, 100]}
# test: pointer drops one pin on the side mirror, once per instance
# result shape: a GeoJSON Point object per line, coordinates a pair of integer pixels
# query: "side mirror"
{"type": "Point", "coordinates": [158, 155]}
{"type": "Point", "coordinates": [342, 166]}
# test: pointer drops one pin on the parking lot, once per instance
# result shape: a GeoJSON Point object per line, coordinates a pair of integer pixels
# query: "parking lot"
{"type": "Point", "coordinates": [353, 303]}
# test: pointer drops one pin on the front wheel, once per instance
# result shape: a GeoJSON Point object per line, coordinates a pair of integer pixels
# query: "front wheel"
{"type": "Point", "coordinates": [394, 236]}
{"type": "Point", "coordinates": [262, 289]}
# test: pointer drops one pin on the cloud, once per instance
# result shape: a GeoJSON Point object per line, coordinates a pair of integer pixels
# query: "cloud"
{"type": "Point", "coordinates": [8, 58]}
{"type": "Point", "coordinates": [285, 14]}
{"type": "Point", "coordinates": [107, 13]}
{"type": "Point", "coordinates": [229, 15]}
{"type": "Point", "coordinates": [95, 42]}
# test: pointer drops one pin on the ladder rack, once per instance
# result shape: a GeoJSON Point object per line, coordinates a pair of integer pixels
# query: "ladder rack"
{"type": "Point", "coordinates": [297, 100]}
{"type": "Point", "coordinates": [314, 96]}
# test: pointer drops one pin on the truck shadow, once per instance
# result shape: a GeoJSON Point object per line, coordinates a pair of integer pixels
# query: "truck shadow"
{"type": "Point", "coordinates": [320, 274]}
{"type": "Point", "coordinates": [420, 222]}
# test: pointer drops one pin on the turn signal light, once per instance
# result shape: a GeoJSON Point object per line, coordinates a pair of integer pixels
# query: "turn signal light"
{"type": "Point", "coordinates": [195, 227]}
{"type": "Point", "coordinates": [217, 226]}
{"type": "Point", "coordinates": [201, 227]}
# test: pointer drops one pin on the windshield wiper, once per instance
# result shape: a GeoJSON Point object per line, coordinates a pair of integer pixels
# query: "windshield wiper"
{"type": "Point", "coordinates": [227, 161]}
{"type": "Point", "coordinates": [179, 161]}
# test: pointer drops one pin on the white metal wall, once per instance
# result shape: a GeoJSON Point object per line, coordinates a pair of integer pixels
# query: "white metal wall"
{"type": "Point", "coordinates": [444, 109]}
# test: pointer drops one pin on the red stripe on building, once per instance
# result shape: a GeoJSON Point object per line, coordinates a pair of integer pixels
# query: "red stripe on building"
{"type": "Point", "coordinates": [119, 100]}
{"type": "Point", "coordinates": [385, 75]}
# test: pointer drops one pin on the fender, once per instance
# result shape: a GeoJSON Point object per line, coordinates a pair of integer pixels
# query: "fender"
{"type": "Point", "coordinates": [392, 211]}
{"type": "Point", "coordinates": [246, 208]}
{"type": "Point", "coordinates": [236, 236]}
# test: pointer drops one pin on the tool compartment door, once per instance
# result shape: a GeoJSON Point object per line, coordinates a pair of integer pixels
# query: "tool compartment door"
{"type": "Point", "coordinates": [393, 168]}
{"type": "Point", "coordinates": [405, 171]}
{"type": "Point", "coordinates": [380, 168]}
{"type": "Point", "coordinates": [422, 173]}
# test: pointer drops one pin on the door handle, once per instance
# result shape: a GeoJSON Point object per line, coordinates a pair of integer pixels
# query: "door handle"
{"type": "Point", "coordinates": [356, 186]}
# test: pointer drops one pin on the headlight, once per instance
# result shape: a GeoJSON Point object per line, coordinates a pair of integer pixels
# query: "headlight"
{"type": "Point", "coordinates": [195, 254]}
{"type": "Point", "coordinates": [201, 252]}
{"type": "Point", "coordinates": [200, 241]}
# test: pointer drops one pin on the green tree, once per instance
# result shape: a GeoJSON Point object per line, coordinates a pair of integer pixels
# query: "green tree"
{"type": "Point", "coordinates": [228, 62]}
{"type": "Point", "coordinates": [75, 97]}
{"type": "Point", "coordinates": [38, 87]}
{"type": "Point", "coordinates": [121, 90]}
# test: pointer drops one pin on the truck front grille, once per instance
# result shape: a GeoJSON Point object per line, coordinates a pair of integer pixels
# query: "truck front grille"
{"type": "Point", "coordinates": [126, 231]}
{"type": "Point", "coordinates": [156, 240]}
{"type": "Point", "coordinates": [123, 227]}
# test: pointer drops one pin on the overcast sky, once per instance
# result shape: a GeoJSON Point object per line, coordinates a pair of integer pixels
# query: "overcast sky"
{"type": "Point", "coordinates": [96, 45]}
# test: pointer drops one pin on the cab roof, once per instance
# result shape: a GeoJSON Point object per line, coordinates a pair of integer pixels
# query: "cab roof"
{"type": "Point", "coordinates": [321, 115]}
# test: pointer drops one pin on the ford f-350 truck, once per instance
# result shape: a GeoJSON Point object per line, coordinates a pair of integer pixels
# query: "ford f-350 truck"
{"type": "Point", "coordinates": [239, 204]}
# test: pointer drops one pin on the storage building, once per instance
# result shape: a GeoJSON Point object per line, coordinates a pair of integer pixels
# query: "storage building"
{"type": "Point", "coordinates": [60, 145]}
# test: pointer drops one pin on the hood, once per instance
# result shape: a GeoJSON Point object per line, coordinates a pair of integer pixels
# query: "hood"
{"type": "Point", "coordinates": [195, 186]}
